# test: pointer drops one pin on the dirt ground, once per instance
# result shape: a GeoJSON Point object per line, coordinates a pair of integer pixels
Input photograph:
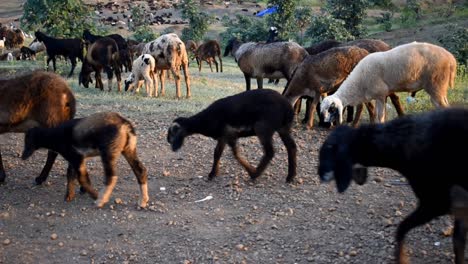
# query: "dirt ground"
{"type": "Point", "coordinates": [264, 222]}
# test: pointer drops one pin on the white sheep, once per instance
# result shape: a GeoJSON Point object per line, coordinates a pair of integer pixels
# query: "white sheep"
{"type": "Point", "coordinates": [143, 68]}
{"type": "Point", "coordinates": [2, 44]}
{"type": "Point", "coordinates": [10, 56]}
{"type": "Point", "coordinates": [410, 68]}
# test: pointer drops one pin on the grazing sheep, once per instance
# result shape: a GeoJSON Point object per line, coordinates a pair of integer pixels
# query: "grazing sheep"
{"type": "Point", "coordinates": [258, 113]}
{"type": "Point", "coordinates": [36, 99]}
{"type": "Point", "coordinates": [410, 67]}
{"type": "Point", "coordinates": [266, 60]}
{"type": "Point", "coordinates": [144, 68]}
{"type": "Point", "coordinates": [417, 147]}
{"type": "Point", "coordinates": [170, 54]}
{"type": "Point", "coordinates": [208, 52]}
{"type": "Point", "coordinates": [69, 48]}
{"type": "Point", "coordinates": [107, 135]}
{"type": "Point", "coordinates": [102, 54]}
{"type": "Point", "coordinates": [2, 44]}
{"type": "Point", "coordinates": [321, 74]}
{"type": "Point", "coordinates": [37, 46]}
{"type": "Point", "coordinates": [232, 47]}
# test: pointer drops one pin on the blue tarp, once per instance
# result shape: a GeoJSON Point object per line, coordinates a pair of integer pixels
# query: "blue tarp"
{"type": "Point", "coordinates": [267, 11]}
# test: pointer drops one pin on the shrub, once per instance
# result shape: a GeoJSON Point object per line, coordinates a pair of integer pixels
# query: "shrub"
{"type": "Point", "coordinates": [352, 12]}
{"type": "Point", "coordinates": [283, 19]}
{"type": "Point", "coordinates": [245, 29]}
{"type": "Point", "coordinates": [326, 27]}
{"type": "Point", "coordinates": [199, 21]}
{"type": "Point", "coordinates": [385, 20]}
{"type": "Point", "coordinates": [144, 34]}
{"type": "Point", "coordinates": [456, 41]}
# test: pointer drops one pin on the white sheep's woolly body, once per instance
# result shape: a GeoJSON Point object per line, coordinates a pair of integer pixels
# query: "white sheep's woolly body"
{"type": "Point", "coordinates": [143, 71]}
{"type": "Point", "coordinates": [266, 55]}
{"type": "Point", "coordinates": [408, 68]}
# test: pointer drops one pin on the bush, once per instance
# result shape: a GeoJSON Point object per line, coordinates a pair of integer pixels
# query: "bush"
{"type": "Point", "coordinates": [283, 19]}
{"type": "Point", "coordinates": [351, 12]}
{"type": "Point", "coordinates": [65, 19]}
{"type": "Point", "coordinates": [144, 34]}
{"type": "Point", "coordinates": [199, 21]}
{"type": "Point", "coordinates": [245, 29]}
{"type": "Point", "coordinates": [325, 27]}
{"type": "Point", "coordinates": [457, 42]}
{"type": "Point", "coordinates": [385, 20]}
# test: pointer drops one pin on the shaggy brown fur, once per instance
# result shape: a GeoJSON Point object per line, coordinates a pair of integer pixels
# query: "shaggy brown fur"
{"type": "Point", "coordinates": [170, 54]}
{"type": "Point", "coordinates": [36, 99]}
{"type": "Point", "coordinates": [13, 38]}
{"type": "Point", "coordinates": [102, 54]}
{"type": "Point", "coordinates": [107, 135]}
{"type": "Point", "coordinates": [208, 52]}
{"type": "Point", "coordinates": [321, 74]}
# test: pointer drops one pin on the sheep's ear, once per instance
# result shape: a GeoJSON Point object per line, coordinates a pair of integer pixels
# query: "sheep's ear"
{"type": "Point", "coordinates": [343, 169]}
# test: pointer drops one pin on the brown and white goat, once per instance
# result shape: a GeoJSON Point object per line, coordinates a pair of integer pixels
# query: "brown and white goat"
{"type": "Point", "coordinates": [37, 99]}
{"type": "Point", "coordinates": [107, 135]}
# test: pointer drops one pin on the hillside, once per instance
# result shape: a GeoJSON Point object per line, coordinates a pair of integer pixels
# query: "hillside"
{"type": "Point", "coordinates": [430, 28]}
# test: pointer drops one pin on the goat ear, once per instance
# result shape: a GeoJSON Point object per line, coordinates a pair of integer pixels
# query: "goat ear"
{"type": "Point", "coordinates": [343, 169]}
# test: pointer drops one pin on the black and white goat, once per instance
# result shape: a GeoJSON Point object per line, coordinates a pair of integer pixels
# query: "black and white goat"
{"type": "Point", "coordinates": [416, 146]}
{"type": "Point", "coordinates": [107, 135]}
{"type": "Point", "coordinates": [258, 113]}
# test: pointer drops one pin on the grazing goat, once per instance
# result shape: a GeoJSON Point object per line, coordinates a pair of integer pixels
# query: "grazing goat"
{"type": "Point", "coordinates": [208, 52]}
{"type": "Point", "coordinates": [27, 53]}
{"type": "Point", "coordinates": [107, 135]}
{"type": "Point", "coordinates": [125, 56]}
{"type": "Point", "coordinates": [417, 147]}
{"type": "Point", "coordinates": [36, 99]}
{"type": "Point", "coordinates": [170, 54]}
{"type": "Point", "coordinates": [69, 48]}
{"type": "Point", "coordinates": [321, 74]}
{"type": "Point", "coordinates": [144, 68]}
{"type": "Point", "coordinates": [410, 67]}
{"type": "Point", "coordinates": [258, 113]}
{"type": "Point", "coordinates": [266, 60]}
{"type": "Point", "coordinates": [102, 54]}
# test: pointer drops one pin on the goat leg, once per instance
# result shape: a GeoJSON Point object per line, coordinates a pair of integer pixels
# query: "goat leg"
{"type": "Point", "coordinates": [2, 170]}
{"type": "Point", "coordinates": [51, 156]}
{"type": "Point", "coordinates": [217, 155]}
{"type": "Point", "coordinates": [71, 177]}
{"type": "Point", "coordinates": [235, 151]}
{"type": "Point", "coordinates": [420, 216]}
{"type": "Point", "coordinates": [265, 135]}
{"type": "Point", "coordinates": [292, 153]}
{"type": "Point", "coordinates": [396, 102]}
{"type": "Point", "coordinates": [459, 241]}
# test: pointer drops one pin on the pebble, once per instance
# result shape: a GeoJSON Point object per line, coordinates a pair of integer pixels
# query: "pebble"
{"type": "Point", "coordinates": [240, 247]}
{"type": "Point", "coordinates": [6, 242]}
{"type": "Point", "coordinates": [353, 253]}
{"type": "Point", "coordinates": [83, 253]}
{"type": "Point", "coordinates": [118, 201]}
{"type": "Point", "coordinates": [53, 236]}
{"type": "Point", "coordinates": [60, 244]}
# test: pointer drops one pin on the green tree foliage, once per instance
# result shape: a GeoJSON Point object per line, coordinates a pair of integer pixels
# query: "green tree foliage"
{"type": "Point", "coordinates": [456, 41]}
{"type": "Point", "coordinates": [245, 29]}
{"type": "Point", "coordinates": [325, 27]}
{"type": "Point", "coordinates": [138, 18]}
{"type": "Point", "coordinates": [199, 21]}
{"type": "Point", "coordinates": [385, 20]}
{"type": "Point", "coordinates": [302, 17]}
{"type": "Point", "coordinates": [352, 12]}
{"type": "Point", "coordinates": [144, 34]}
{"type": "Point", "coordinates": [283, 19]}
{"type": "Point", "coordinates": [58, 18]}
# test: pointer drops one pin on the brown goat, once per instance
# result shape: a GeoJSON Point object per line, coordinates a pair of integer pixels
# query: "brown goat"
{"type": "Point", "coordinates": [13, 38]}
{"type": "Point", "coordinates": [36, 99]}
{"type": "Point", "coordinates": [107, 135]}
{"type": "Point", "coordinates": [322, 73]}
{"type": "Point", "coordinates": [208, 52]}
{"type": "Point", "coordinates": [102, 54]}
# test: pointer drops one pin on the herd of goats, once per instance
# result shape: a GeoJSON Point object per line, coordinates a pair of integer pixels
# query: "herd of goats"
{"type": "Point", "coordinates": [357, 73]}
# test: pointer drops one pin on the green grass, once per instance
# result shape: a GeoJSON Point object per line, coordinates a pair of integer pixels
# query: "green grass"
{"type": "Point", "coordinates": [206, 88]}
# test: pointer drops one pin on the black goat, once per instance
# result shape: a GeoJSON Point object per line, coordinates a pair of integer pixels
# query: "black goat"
{"type": "Point", "coordinates": [418, 147]}
{"type": "Point", "coordinates": [102, 54]}
{"type": "Point", "coordinates": [69, 48]}
{"type": "Point", "coordinates": [258, 113]}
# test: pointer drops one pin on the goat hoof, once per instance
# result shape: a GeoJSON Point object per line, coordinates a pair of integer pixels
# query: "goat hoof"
{"type": "Point", "coordinates": [38, 181]}
{"type": "Point", "coordinates": [82, 190]}
{"type": "Point", "coordinates": [69, 197]}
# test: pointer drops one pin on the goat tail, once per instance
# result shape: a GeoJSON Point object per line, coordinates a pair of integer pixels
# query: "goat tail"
{"type": "Point", "coordinates": [453, 74]}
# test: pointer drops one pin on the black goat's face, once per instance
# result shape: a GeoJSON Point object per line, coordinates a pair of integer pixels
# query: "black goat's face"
{"type": "Point", "coordinates": [30, 145]}
{"type": "Point", "coordinates": [175, 136]}
{"type": "Point", "coordinates": [130, 79]}
{"type": "Point", "coordinates": [335, 161]}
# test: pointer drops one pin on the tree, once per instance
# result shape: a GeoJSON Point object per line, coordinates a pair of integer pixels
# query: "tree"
{"type": "Point", "coordinates": [245, 29]}
{"type": "Point", "coordinates": [325, 27]}
{"type": "Point", "coordinates": [352, 12]}
{"type": "Point", "coordinates": [283, 19]}
{"type": "Point", "coordinates": [303, 17]}
{"type": "Point", "coordinates": [57, 17]}
{"type": "Point", "coordinates": [199, 21]}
